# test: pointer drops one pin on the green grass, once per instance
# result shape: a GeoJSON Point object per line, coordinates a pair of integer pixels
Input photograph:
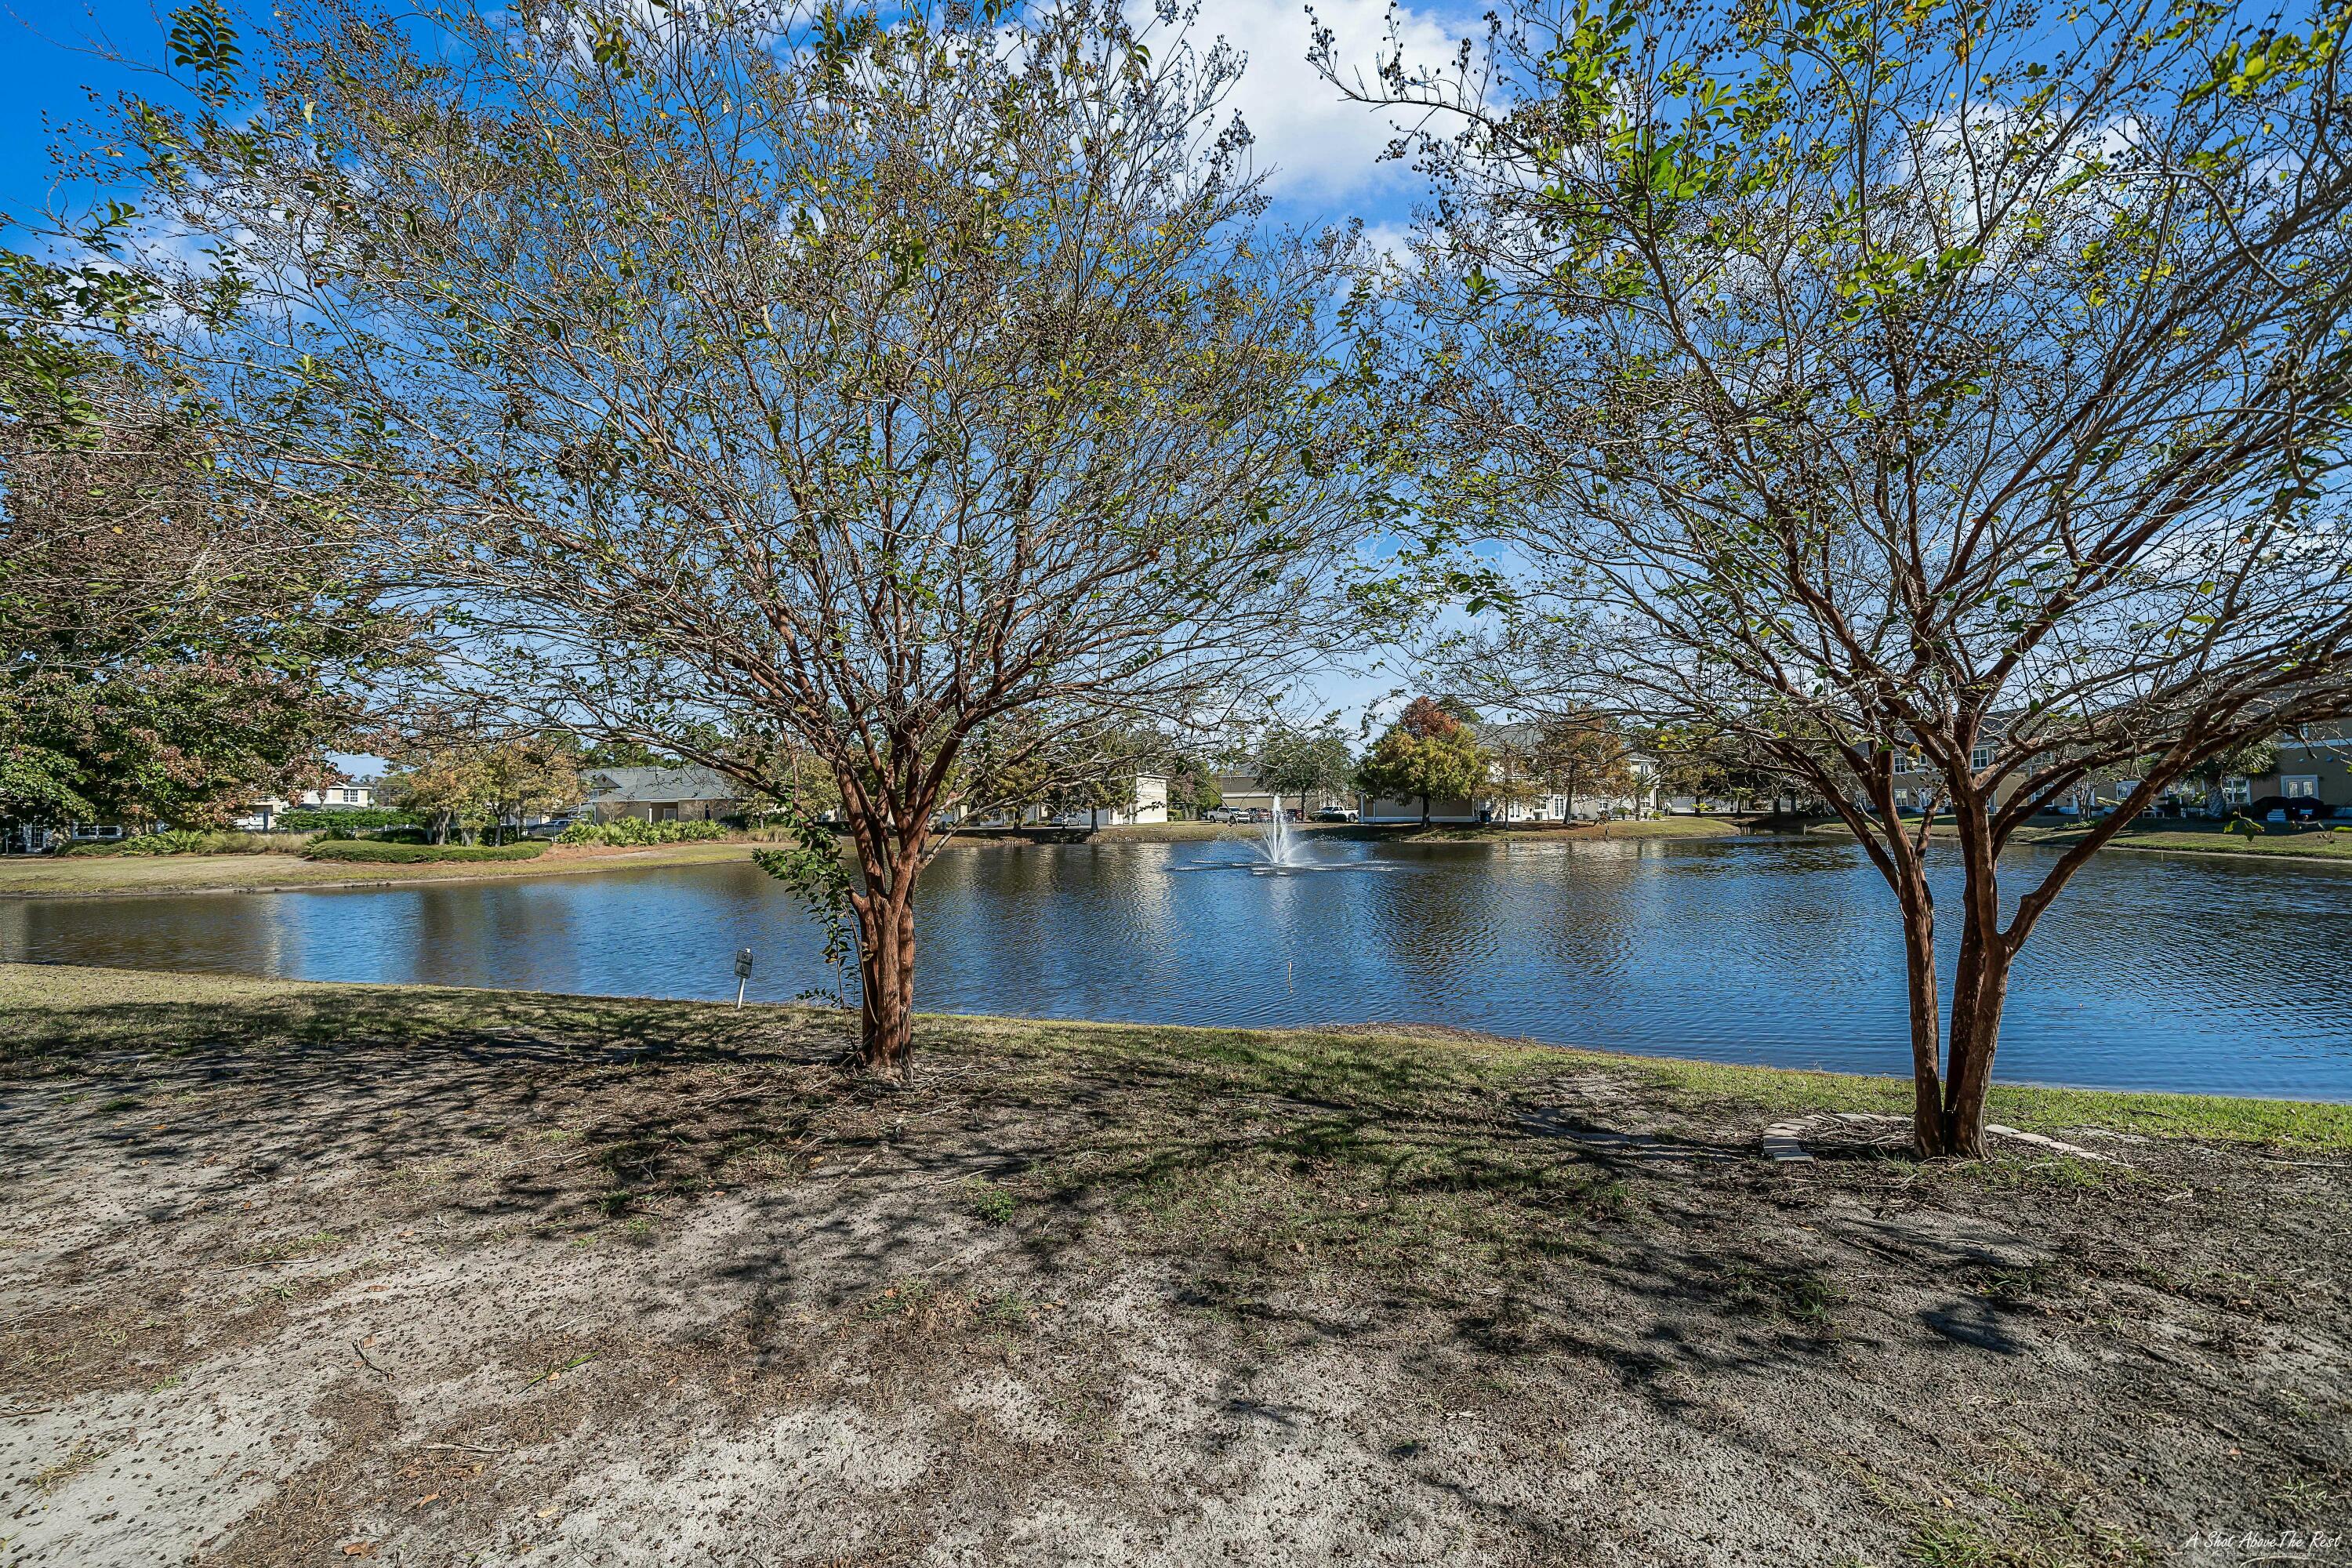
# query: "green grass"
{"type": "Point", "coordinates": [2276, 840]}
{"type": "Point", "coordinates": [2319, 842]}
{"type": "Point", "coordinates": [51, 1015]}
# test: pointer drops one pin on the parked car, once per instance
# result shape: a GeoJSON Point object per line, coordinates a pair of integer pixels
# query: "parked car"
{"type": "Point", "coordinates": [91, 833]}
{"type": "Point", "coordinates": [1224, 813]}
{"type": "Point", "coordinates": [551, 829]}
{"type": "Point", "coordinates": [1335, 814]}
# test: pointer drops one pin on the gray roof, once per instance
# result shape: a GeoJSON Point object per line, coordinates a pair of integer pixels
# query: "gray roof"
{"type": "Point", "coordinates": [607, 785]}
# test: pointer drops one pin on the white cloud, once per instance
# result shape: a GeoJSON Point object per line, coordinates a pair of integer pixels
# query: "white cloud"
{"type": "Point", "coordinates": [1320, 148]}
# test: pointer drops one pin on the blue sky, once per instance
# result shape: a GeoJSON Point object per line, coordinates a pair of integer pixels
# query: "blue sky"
{"type": "Point", "coordinates": [1323, 152]}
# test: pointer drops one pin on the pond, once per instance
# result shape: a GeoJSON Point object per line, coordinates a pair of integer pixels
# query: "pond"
{"type": "Point", "coordinates": [2152, 972]}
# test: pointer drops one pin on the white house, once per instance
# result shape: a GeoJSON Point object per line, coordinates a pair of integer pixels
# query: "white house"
{"type": "Point", "coordinates": [1150, 796]}
{"type": "Point", "coordinates": [346, 793]}
{"type": "Point", "coordinates": [1150, 805]}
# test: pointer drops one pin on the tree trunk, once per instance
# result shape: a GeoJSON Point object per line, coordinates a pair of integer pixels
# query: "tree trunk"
{"type": "Point", "coordinates": [1920, 975]}
{"type": "Point", "coordinates": [1424, 811]}
{"type": "Point", "coordinates": [885, 983]}
{"type": "Point", "coordinates": [1979, 986]}
{"type": "Point", "coordinates": [1980, 992]}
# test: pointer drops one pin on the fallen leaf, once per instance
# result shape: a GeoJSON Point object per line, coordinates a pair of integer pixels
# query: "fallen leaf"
{"type": "Point", "coordinates": [547, 1512]}
{"type": "Point", "coordinates": [429, 1496]}
{"type": "Point", "coordinates": [360, 1549]}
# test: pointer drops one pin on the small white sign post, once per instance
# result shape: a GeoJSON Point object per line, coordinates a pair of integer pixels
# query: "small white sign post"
{"type": "Point", "coordinates": [742, 972]}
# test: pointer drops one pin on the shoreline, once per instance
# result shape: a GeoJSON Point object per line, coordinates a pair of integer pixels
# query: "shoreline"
{"type": "Point", "coordinates": [22, 984]}
{"type": "Point", "coordinates": [329, 875]}
{"type": "Point", "coordinates": [51, 877]}
{"type": "Point", "coordinates": [56, 877]}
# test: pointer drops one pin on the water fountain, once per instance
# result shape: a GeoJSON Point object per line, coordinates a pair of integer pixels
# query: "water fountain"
{"type": "Point", "coordinates": [1277, 851]}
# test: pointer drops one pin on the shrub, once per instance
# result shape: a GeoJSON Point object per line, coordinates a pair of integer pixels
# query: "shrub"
{"type": "Point", "coordinates": [311, 819]}
{"type": "Point", "coordinates": [2246, 827]}
{"type": "Point", "coordinates": [196, 841]}
{"type": "Point", "coordinates": [632, 830]}
{"type": "Point", "coordinates": [375, 850]}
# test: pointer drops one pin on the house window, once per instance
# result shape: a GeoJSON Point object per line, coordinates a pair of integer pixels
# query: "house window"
{"type": "Point", "coordinates": [2302, 786]}
{"type": "Point", "coordinates": [351, 796]}
{"type": "Point", "coordinates": [1980, 756]}
{"type": "Point", "coordinates": [2123, 788]}
{"type": "Point", "coordinates": [2237, 789]}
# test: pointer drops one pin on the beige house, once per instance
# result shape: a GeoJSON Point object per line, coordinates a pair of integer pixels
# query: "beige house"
{"type": "Point", "coordinates": [1240, 791]}
{"type": "Point", "coordinates": [2314, 764]}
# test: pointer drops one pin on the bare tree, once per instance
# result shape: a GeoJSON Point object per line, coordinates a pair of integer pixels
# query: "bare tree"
{"type": "Point", "coordinates": [854, 379]}
{"type": "Point", "coordinates": [1876, 386]}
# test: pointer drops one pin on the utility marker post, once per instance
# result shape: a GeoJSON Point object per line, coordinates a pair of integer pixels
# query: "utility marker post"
{"type": "Point", "coordinates": [742, 972]}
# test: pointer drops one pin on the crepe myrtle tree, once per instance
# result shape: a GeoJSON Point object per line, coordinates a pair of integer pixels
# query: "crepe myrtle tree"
{"type": "Point", "coordinates": [851, 378]}
{"type": "Point", "coordinates": [1874, 385]}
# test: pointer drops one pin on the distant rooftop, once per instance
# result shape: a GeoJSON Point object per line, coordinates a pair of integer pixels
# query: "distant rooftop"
{"type": "Point", "coordinates": [608, 785]}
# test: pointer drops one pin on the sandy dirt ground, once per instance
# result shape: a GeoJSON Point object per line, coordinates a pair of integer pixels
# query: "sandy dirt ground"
{"type": "Point", "coordinates": [319, 1274]}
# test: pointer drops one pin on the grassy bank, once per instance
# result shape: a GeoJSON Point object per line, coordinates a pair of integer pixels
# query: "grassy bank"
{"type": "Point", "coordinates": [2315, 843]}
{"type": "Point", "coordinates": [298, 1273]}
{"type": "Point", "coordinates": [2209, 839]}
{"type": "Point", "coordinates": [127, 874]}
{"type": "Point", "coordinates": [53, 1015]}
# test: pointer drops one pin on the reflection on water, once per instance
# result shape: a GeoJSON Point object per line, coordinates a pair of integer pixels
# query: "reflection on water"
{"type": "Point", "coordinates": [2152, 972]}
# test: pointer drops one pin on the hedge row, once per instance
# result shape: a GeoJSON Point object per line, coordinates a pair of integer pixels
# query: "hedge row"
{"type": "Point", "coordinates": [374, 849]}
{"type": "Point", "coordinates": [636, 830]}
{"type": "Point", "coordinates": [196, 841]}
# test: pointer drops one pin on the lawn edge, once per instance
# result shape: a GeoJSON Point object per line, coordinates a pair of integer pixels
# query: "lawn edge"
{"type": "Point", "coordinates": [2319, 1126]}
